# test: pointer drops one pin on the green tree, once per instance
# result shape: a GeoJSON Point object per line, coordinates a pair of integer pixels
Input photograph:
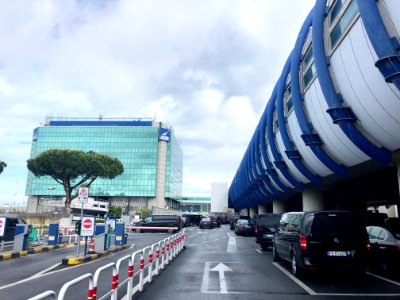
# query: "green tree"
{"type": "Point", "coordinates": [143, 213]}
{"type": "Point", "coordinates": [2, 166]}
{"type": "Point", "coordinates": [114, 211]}
{"type": "Point", "coordinates": [74, 168]}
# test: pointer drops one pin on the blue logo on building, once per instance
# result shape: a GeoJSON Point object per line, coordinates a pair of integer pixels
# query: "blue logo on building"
{"type": "Point", "coordinates": [165, 135]}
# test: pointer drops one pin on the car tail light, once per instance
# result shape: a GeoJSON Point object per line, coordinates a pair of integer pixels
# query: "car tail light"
{"type": "Point", "coordinates": [398, 247]}
{"type": "Point", "coordinates": [256, 228]}
{"type": "Point", "coordinates": [368, 244]}
{"type": "Point", "coordinates": [303, 242]}
{"type": "Point", "coordinates": [209, 222]}
{"type": "Point", "coordinates": [201, 222]}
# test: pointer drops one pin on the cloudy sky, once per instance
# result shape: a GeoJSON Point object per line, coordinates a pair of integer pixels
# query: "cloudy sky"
{"type": "Point", "coordinates": [205, 67]}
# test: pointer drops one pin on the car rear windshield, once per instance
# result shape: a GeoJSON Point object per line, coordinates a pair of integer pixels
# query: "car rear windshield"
{"type": "Point", "coordinates": [333, 222]}
{"type": "Point", "coordinates": [242, 221]}
{"type": "Point", "coordinates": [268, 219]}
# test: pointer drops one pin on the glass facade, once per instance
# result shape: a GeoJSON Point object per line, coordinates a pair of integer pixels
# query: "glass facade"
{"type": "Point", "coordinates": [135, 146]}
{"type": "Point", "coordinates": [174, 167]}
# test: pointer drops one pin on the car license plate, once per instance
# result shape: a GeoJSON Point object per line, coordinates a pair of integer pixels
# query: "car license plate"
{"type": "Point", "coordinates": [268, 236]}
{"type": "Point", "coordinates": [338, 253]}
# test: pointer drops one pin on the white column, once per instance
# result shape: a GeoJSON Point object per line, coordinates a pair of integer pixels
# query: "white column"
{"type": "Point", "coordinates": [395, 211]}
{"type": "Point", "coordinates": [312, 200]}
{"type": "Point", "coordinates": [262, 209]}
{"type": "Point", "coordinates": [159, 200]}
{"type": "Point", "coordinates": [278, 206]}
{"type": "Point", "coordinates": [244, 212]}
{"type": "Point", "coordinates": [253, 211]}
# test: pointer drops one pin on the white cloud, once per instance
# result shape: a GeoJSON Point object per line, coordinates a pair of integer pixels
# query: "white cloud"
{"type": "Point", "coordinates": [205, 67]}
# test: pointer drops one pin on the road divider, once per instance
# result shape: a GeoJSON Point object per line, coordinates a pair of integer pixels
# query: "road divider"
{"type": "Point", "coordinates": [158, 256]}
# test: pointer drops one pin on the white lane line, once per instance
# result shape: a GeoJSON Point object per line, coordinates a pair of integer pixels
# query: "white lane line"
{"type": "Point", "coordinates": [37, 275]}
{"type": "Point", "coordinates": [300, 283]}
{"type": "Point", "coordinates": [231, 244]}
{"type": "Point", "coordinates": [206, 279]}
{"type": "Point", "coordinates": [383, 278]}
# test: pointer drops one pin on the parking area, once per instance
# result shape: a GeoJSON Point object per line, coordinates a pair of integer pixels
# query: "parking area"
{"type": "Point", "coordinates": [220, 265]}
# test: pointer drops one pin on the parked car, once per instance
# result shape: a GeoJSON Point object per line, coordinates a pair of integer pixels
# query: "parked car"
{"type": "Point", "coordinates": [232, 223]}
{"type": "Point", "coordinates": [194, 219]}
{"type": "Point", "coordinates": [185, 222]}
{"type": "Point", "coordinates": [385, 248]}
{"type": "Point", "coordinates": [322, 240]}
{"type": "Point", "coordinates": [206, 223]}
{"type": "Point", "coordinates": [266, 225]}
{"type": "Point", "coordinates": [216, 221]}
{"type": "Point", "coordinates": [156, 222]}
{"type": "Point", "coordinates": [9, 229]}
{"type": "Point", "coordinates": [244, 227]}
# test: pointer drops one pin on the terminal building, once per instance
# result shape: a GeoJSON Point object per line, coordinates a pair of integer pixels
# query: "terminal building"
{"type": "Point", "coordinates": [329, 137]}
{"type": "Point", "coordinates": [149, 150]}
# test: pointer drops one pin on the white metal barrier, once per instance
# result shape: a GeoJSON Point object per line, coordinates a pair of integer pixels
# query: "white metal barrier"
{"type": "Point", "coordinates": [165, 251]}
{"type": "Point", "coordinates": [67, 285]}
{"type": "Point", "coordinates": [45, 295]}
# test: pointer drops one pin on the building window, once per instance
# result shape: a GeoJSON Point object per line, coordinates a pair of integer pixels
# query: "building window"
{"type": "Point", "coordinates": [341, 17]}
{"type": "Point", "coordinates": [288, 100]}
{"type": "Point", "coordinates": [275, 122]}
{"type": "Point", "coordinates": [308, 67]}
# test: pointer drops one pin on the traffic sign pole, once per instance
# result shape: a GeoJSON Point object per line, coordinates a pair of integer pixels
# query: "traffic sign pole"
{"type": "Point", "coordinates": [79, 237]}
{"type": "Point", "coordinates": [83, 195]}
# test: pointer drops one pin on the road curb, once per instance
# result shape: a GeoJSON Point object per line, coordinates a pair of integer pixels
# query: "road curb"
{"type": "Point", "coordinates": [6, 256]}
{"type": "Point", "coordinates": [90, 257]}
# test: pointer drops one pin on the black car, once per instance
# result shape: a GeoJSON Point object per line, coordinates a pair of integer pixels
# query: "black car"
{"type": "Point", "coordinates": [385, 248]}
{"type": "Point", "coordinates": [216, 221]}
{"type": "Point", "coordinates": [322, 240]}
{"type": "Point", "coordinates": [244, 227]}
{"type": "Point", "coordinates": [193, 219]}
{"type": "Point", "coordinates": [170, 223]}
{"type": "Point", "coordinates": [232, 222]}
{"type": "Point", "coordinates": [266, 226]}
{"type": "Point", "coordinates": [206, 223]}
{"type": "Point", "coordinates": [9, 229]}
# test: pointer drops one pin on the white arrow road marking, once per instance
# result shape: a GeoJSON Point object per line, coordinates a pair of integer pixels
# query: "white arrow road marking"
{"type": "Point", "coordinates": [221, 268]}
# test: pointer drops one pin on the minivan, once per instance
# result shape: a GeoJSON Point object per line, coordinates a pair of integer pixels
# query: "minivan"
{"type": "Point", "coordinates": [322, 240]}
{"type": "Point", "coordinates": [160, 222]}
{"type": "Point", "coordinates": [266, 226]}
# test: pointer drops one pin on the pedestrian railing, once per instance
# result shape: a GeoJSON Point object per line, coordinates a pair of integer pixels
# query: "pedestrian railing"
{"type": "Point", "coordinates": [150, 261]}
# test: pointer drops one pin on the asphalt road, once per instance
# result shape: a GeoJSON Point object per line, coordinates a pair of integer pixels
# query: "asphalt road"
{"type": "Point", "coordinates": [31, 275]}
{"type": "Point", "coordinates": [216, 264]}
{"type": "Point", "coordinates": [219, 265]}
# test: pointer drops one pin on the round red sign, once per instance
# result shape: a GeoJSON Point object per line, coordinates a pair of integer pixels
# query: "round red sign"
{"type": "Point", "coordinates": [87, 223]}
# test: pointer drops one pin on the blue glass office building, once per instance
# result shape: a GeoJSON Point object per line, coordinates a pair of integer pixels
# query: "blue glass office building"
{"type": "Point", "coordinates": [151, 155]}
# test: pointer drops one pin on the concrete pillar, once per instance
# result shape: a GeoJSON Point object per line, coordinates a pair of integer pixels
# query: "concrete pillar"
{"type": "Point", "coordinates": [262, 209]}
{"type": "Point", "coordinates": [312, 200]}
{"type": "Point", "coordinates": [392, 211]}
{"type": "Point", "coordinates": [253, 211]}
{"type": "Point", "coordinates": [244, 212]}
{"type": "Point", "coordinates": [278, 206]}
{"type": "Point", "coordinates": [159, 200]}
{"type": "Point", "coordinates": [396, 160]}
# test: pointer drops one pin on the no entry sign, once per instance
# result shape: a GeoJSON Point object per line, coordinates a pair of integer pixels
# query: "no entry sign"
{"type": "Point", "coordinates": [87, 226]}
{"type": "Point", "coordinates": [2, 226]}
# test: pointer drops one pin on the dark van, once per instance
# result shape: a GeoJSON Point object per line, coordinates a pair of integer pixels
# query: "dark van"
{"type": "Point", "coordinates": [169, 223]}
{"type": "Point", "coordinates": [322, 240]}
{"type": "Point", "coordinates": [11, 224]}
{"type": "Point", "coordinates": [266, 225]}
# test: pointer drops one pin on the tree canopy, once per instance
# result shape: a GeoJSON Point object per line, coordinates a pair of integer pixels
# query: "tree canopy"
{"type": "Point", "coordinates": [2, 166]}
{"type": "Point", "coordinates": [73, 168]}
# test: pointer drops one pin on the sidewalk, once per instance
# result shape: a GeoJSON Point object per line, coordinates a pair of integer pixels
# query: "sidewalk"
{"type": "Point", "coordinates": [38, 249]}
